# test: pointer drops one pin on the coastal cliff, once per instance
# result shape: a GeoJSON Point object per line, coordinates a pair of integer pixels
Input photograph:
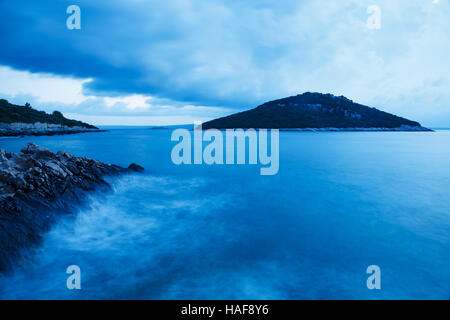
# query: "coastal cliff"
{"type": "Point", "coordinates": [37, 186]}
{"type": "Point", "coordinates": [315, 112]}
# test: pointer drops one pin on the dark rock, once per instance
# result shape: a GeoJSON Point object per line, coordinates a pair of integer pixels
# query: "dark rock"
{"type": "Point", "coordinates": [37, 152]}
{"type": "Point", "coordinates": [135, 167]}
{"type": "Point", "coordinates": [37, 186]}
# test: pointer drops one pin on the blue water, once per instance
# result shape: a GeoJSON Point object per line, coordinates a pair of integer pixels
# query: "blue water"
{"type": "Point", "coordinates": [340, 202]}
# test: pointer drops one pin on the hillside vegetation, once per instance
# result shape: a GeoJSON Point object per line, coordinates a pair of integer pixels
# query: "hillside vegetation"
{"type": "Point", "coordinates": [313, 110]}
{"type": "Point", "coordinates": [10, 113]}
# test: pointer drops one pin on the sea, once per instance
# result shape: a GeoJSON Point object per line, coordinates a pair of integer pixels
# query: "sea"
{"type": "Point", "coordinates": [340, 203]}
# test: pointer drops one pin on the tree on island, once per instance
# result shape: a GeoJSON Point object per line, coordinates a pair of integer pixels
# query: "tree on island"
{"type": "Point", "coordinates": [57, 114]}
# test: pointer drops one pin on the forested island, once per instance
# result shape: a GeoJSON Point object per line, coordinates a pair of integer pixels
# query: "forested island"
{"type": "Point", "coordinates": [315, 112]}
{"type": "Point", "coordinates": [16, 120]}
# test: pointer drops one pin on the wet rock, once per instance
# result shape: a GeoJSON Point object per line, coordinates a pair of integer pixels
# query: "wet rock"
{"type": "Point", "coordinates": [135, 167]}
{"type": "Point", "coordinates": [37, 186]}
{"type": "Point", "coordinates": [55, 170]}
{"type": "Point", "coordinates": [37, 152]}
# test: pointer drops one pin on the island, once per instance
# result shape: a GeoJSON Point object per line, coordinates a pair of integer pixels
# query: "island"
{"type": "Point", "coordinates": [16, 120]}
{"type": "Point", "coordinates": [36, 187]}
{"type": "Point", "coordinates": [312, 111]}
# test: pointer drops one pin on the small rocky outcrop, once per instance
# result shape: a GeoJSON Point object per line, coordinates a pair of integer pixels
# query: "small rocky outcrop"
{"type": "Point", "coordinates": [37, 186]}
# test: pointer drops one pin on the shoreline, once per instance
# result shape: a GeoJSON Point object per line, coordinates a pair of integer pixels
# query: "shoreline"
{"type": "Point", "coordinates": [46, 133]}
{"type": "Point", "coordinates": [36, 187]}
{"type": "Point", "coordinates": [17, 129]}
{"type": "Point", "coordinates": [331, 129]}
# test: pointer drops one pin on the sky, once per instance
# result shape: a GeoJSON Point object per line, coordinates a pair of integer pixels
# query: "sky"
{"type": "Point", "coordinates": [148, 62]}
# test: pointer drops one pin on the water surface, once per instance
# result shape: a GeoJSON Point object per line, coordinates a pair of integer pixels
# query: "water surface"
{"type": "Point", "coordinates": [341, 201]}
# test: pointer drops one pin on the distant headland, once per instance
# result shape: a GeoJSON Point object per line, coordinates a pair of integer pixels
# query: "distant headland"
{"type": "Point", "coordinates": [315, 112]}
{"type": "Point", "coordinates": [16, 120]}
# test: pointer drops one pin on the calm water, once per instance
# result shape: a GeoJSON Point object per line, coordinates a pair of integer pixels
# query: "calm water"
{"type": "Point", "coordinates": [340, 202]}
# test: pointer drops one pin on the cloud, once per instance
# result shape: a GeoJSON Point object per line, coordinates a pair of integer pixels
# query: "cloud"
{"type": "Point", "coordinates": [49, 92]}
{"type": "Point", "coordinates": [237, 54]}
{"type": "Point", "coordinates": [45, 87]}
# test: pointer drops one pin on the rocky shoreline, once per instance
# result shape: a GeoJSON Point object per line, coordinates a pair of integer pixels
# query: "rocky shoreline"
{"type": "Point", "coordinates": [331, 129]}
{"type": "Point", "coordinates": [18, 129]}
{"type": "Point", "coordinates": [36, 187]}
{"type": "Point", "coordinates": [45, 133]}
